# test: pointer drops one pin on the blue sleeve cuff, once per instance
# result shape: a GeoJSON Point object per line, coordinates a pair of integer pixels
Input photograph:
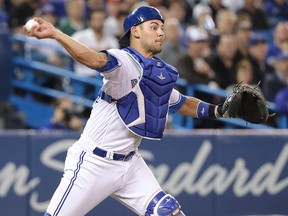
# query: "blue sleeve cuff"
{"type": "Point", "coordinates": [175, 107]}
{"type": "Point", "coordinates": [110, 65]}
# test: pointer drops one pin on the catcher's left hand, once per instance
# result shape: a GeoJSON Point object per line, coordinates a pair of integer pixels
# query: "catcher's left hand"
{"type": "Point", "coordinates": [245, 102]}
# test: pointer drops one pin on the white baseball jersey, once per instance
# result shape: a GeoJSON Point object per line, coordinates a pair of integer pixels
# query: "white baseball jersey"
{"type": "Point", "coordinates": [88, 178]}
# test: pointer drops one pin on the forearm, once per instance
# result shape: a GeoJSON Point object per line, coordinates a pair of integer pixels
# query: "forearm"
{"type": "Point", "coordinates": [189, 107]}
{"type": "Point", "coordinates": [198, 109]}
{"type": "Point", "coordinates": [77, 50]}
{"type": "Point", "coordinates": [80, 52]}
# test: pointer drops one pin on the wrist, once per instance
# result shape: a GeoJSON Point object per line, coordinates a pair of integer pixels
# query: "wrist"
{"type": "Point", "coordinates": [206, 110]}
{"type": "Point", "coordinates": [57, 34]}
{"type": "Point", "coordinates": [218, 111]}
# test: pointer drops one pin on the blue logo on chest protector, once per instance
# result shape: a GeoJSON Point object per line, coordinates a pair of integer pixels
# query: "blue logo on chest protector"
{"type": "Point", "coordinates": [145, 109]}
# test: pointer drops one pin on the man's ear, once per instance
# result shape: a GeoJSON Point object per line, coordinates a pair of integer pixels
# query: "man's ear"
{"type": "Point", "coordinates": [135, 31]}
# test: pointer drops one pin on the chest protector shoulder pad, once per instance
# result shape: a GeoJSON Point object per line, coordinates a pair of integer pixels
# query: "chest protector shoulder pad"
{"type": "Point", "coordinates": [144, 110]}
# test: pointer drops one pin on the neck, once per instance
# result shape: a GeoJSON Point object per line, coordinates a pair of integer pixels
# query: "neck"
{"type": "Point", "coordinates": [76, 21]}
{"type": "Point", "coordinates": [98, 33]}
{"type": "Point", "coordinates": [227, 62]}
{"type": "Point", "coordinates": [142, 51]}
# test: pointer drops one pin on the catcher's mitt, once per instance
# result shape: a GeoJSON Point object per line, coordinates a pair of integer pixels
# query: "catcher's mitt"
{"type": "Point", "coordinates": [245, 102]}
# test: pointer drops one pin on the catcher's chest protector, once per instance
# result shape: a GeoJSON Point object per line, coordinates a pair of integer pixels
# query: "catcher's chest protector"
{"type": "Point", "coordinates": [144, 110]}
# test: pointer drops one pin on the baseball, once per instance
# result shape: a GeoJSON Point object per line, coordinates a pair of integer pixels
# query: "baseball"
{"type": "Point", "coordinates": [31, 23]}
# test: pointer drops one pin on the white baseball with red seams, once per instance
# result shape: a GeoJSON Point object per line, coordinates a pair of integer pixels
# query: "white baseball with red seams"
{"type": "Point", "coordinates": [30, 24]}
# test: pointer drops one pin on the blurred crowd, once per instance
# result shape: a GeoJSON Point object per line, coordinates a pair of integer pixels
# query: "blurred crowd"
{"type": "Point", "coordinates": [218, 43]}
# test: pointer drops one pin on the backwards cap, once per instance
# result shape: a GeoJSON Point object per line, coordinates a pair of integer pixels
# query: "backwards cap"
{"type": "Point", "coordinates": [137, 17]}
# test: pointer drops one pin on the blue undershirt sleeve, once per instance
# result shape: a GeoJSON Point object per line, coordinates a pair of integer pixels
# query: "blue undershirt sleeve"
{"type": "Point", "coordinates": [175, 107]}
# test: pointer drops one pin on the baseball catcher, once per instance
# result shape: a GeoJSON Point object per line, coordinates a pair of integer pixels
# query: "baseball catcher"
{"type": "Point", "coordinates": [247, 103]}
{"type": "Point", "coordinates": [136, 96]}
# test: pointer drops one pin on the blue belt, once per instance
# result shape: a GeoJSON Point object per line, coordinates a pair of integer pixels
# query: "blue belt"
{"type": "Point", "coordinates": [113, 156]}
